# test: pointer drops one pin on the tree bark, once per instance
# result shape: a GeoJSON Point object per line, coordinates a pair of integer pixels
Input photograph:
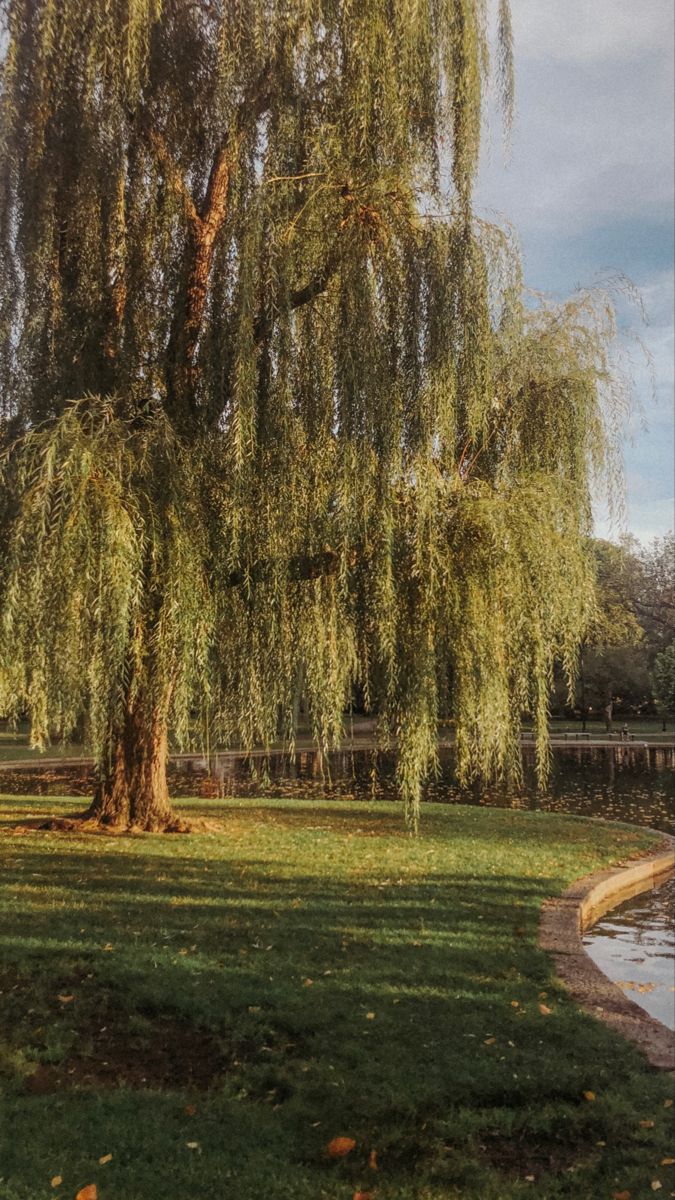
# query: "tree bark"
{"type": "Point", "coordinates": [132, 791]}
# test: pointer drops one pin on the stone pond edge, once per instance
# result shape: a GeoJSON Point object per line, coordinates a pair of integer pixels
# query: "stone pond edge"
{"type": "Point", "coordinates": [564, 919]}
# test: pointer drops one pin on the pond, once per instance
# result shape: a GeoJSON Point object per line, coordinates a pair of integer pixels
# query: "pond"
{"type": "Point", "coordinates": [635, 946]}
{"type": "Point", "coordinates": [619, 783]}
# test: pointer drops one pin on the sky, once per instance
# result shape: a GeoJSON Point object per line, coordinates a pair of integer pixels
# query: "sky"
{"type": "Point", "coordinates": [588, 186]}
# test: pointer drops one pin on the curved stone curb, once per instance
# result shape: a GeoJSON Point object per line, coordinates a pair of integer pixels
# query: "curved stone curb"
{"type": "Point", "coordinates": [566, 918]}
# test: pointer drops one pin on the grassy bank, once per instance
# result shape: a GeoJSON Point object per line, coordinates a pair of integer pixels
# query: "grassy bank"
{"type": "Point", "coordinates": [213, 1010]}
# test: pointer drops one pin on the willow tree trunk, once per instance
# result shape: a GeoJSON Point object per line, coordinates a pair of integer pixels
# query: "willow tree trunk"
{"type": "Point", "coordinates": [132, 791]}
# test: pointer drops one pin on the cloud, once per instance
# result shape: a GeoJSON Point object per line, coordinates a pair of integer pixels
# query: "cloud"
{"type": "Point", "coordinates": [591, 31]}
{"type": "Point", "coordinates": [646, 519]}
{"type": "Point", "coordinates": [589, 189]}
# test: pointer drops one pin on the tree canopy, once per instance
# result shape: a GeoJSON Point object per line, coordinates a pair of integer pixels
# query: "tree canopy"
{"type": "Point", "coordinates": [278, 414]}
{"type": "Point", "coordinates": [664, 679]}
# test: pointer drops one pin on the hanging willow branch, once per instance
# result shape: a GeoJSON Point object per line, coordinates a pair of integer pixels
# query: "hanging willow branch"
{"type": "Point", "coordinates": [272, 424]}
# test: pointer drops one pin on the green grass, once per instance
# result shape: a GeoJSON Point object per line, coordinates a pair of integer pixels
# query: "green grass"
{"type": "Point", "coordinates": [420, 1034]}
{"type": "Point", "coordinates": [645, 727]}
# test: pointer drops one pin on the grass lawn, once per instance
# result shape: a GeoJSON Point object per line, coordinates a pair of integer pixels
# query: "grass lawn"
{"type": "Point", "coordinates": [212, 1010]}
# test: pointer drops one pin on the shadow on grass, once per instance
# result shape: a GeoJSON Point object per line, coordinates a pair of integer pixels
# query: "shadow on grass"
{"type": "Point", "coordinates": [337, 978]}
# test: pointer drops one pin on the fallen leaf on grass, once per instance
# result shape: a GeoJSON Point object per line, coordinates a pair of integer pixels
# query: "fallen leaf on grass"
{"type": "Point", "coordinates": [190, 1110]}
{"type": "Point", "coordinates": [370, 1016]}
{"type": "Point", "coordinates": [192, 1145]}
{"type": "Point", "coordinates": [515, 1004]}
{"type": "Point", "coordinates": [87, 1193]}
{"type": "Point", "coordinates": [588, 1095]}
{"type": "Point", "coordinates": [372, 1160]}
{"type": "Point", "coordinates": [544, 1010]}
{"type": "Point", "coordinates": [65, 999]}
{"type": "Point", "coordinates": [489, 1041]}
{"type": "Point", "coordinates": [308, 983]}
{"type": "Point", "coordinates": [656, 1185]}
{"type": "Point", "coordinates": [646, 1124]}
{"type": "Point", "coordinates": [621, 1195]}
{"type": "Point", "coordinates": [340, 1146]}
{"type": "Point", "coordinates": [667, 1162]}
{"type": "Point", "coordinates": [667, 1104]}
{"type": "Point", "coordinates": [56, 1181]}
{"type": "Point", "coordinates": [363, 1196]}
{"type": "Point", "coordinates": [106, 1158]}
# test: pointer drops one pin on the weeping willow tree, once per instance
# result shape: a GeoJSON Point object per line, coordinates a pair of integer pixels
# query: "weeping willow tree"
{"type": "Point", "coordinates": [276, 417]}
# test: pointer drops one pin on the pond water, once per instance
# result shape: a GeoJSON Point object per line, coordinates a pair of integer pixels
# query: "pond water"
{"type": "Point", "coordinates": [619, 783]}
{"type": "Point", "coordinates": [635, 945]}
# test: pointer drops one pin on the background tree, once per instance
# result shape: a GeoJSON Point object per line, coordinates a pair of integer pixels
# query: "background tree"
{"type": "Point", "coordinates": [634, 617]}
{"type": "Point", "coordinates": [609, 656]}
{"type": "Point", "coordinates": [652, 588]}
{"type": "Point", "coordinates": [663, 678]}
{"type": "Point", "coordinates": [276, 413]}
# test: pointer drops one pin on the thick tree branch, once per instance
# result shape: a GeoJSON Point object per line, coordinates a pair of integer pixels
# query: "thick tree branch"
{"type": "Point", "coordinates": [172, 172]}
{"type": "Point", "coordinates": [317, 286]}
{"type": "Point", "coordinates": [304, 295]}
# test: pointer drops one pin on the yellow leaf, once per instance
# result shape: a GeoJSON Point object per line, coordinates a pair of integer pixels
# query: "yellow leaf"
{"type": "Point", "coordinates": [489, 1041]}
{"type": "Point", "coordinates": [56, 1181]}
{"type": "Point", "coordinates": [589, 1095]}
{"type": "Point", "coordinates": [370, 1016]}
{"type": "Point", "coordinates": [65, 999]}
{"type": "Point", "coordinates": [544, 1010]}
{"type": "Point", "coordinates": [646, 1124]}
{"type": "Point", "coordinates": [667, 1104]}
{"type": "Point", "coordinates": [667, 1162]}
{"type": "Point", "coordinates": [340, 1146]}
{"type": "Point", "coordinates": [372, 1160]}
{"type": "Point", "coordinates": [515, 1004]}
{"type": "Point", "coordinates": [87, 1193]}
{"type": "Point", "coordinates": [656, 1185]}
{"type": "Point", "coordinates": [192, 1145]}
{"type": "Point", "coordinates": [106, 1158]}
{"type": "Point", "coordinates": [308, 983]}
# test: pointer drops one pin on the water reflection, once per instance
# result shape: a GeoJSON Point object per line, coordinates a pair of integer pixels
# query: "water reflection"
{"type": "Point", "coordinates": [635, 946]}
{"type": "Point", "coordinates": [622, 783]}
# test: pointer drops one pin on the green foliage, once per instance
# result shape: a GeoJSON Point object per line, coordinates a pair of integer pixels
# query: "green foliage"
{"type": "Point", "coordinates": [615, 622]}
{"type": "Point", "coordinates": [324, 439]}
{"type": "Point", "coordinates": [107, 547]}
{"type": "Point", "coordinates": [663, 678]}
{"type": "Point", "coordinates": [632, 621]}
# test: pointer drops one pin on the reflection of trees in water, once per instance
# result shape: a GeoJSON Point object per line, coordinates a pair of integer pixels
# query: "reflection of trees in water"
{"type": "Point", "coordinates": [616, 783]}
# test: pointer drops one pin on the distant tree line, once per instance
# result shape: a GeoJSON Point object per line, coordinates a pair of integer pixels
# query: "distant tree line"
{"type": "Point", "coordinates": [627, 659]}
